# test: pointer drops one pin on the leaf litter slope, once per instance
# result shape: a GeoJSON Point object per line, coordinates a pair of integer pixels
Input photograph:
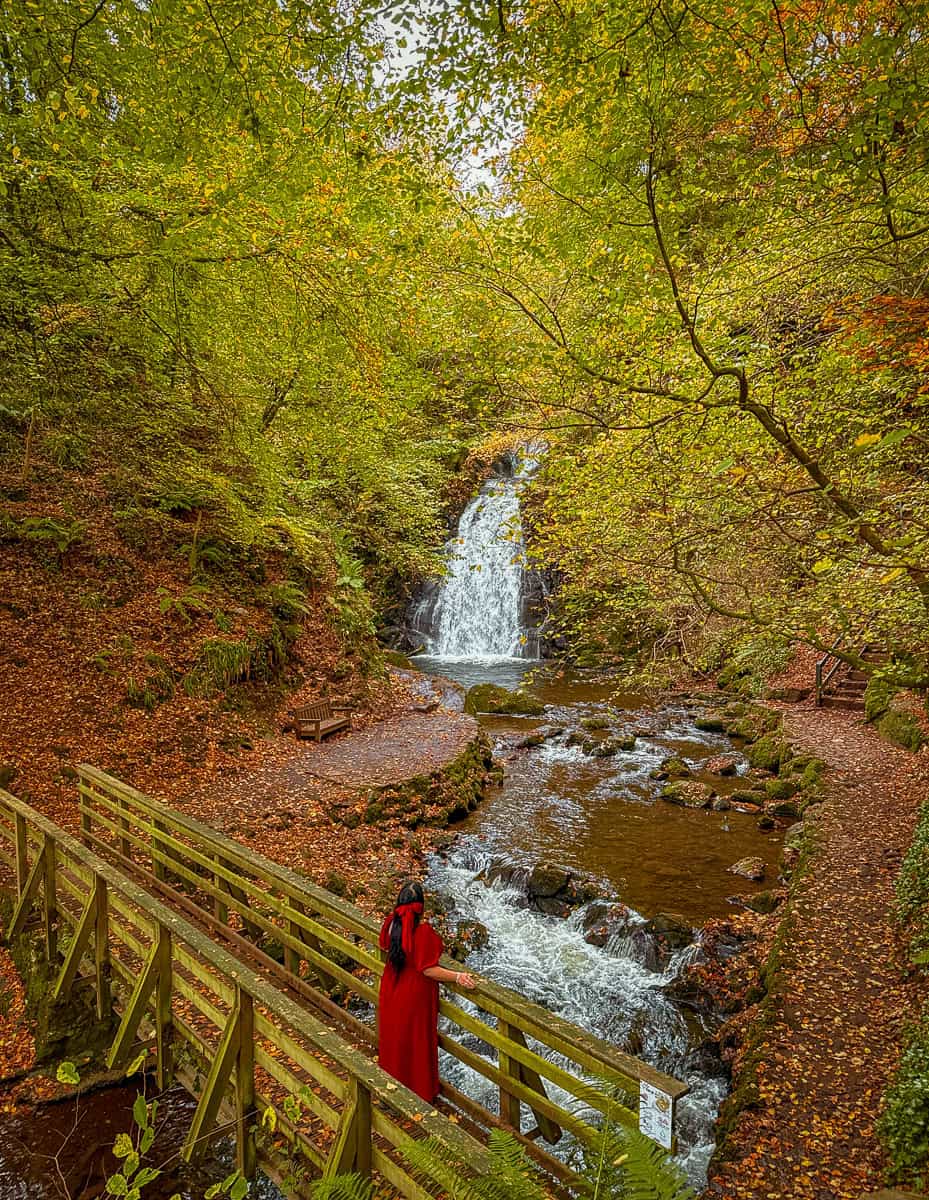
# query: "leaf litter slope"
{"type": "Point", "coordinates": [834, 1039]}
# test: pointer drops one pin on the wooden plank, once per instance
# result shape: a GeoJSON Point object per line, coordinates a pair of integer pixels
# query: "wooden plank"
{"type": "Point", "coordinates": [189, 992]}
{"type": "Point", "coordinates": [284, 1076]}
{"type": "Point", "coordinates": [400, 1178]}
{"type": "Point", "coordinates": [211, 1095]}
{"type": "Point", "coordinates": [27, 895]}
{"type": "Point", "coordinates": [145, 985]}
{"type": "Point", "coordinates": [304, 1058]}
{"type": "Point", "coordinates": [79, 943]}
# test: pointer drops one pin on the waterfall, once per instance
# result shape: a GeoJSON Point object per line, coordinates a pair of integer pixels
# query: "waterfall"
{"type": "Point", "coordinates": [477, 610]}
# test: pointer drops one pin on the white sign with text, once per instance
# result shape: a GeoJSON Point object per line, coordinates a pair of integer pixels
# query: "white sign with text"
{"type": "Point", "coordinates": [656, 1114]}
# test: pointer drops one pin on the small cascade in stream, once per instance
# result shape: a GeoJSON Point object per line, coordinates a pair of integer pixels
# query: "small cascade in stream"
{"type": "Point", "coordinates": [609, 991]}
{"type": "Point", "coordinates": [478, 610]}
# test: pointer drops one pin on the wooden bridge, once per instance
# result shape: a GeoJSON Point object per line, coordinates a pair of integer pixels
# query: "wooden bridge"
{"type": "Point", "coordinates": [235, 972]}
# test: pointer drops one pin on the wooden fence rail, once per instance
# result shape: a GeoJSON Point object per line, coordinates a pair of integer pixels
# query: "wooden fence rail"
{"type": "Point", "coordinates": [240, 1045]}
{"type": "Point", "coordinates": [523, 1049]}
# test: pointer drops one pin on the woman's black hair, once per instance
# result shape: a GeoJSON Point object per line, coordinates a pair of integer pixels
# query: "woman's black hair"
{"type": "Point", "coordinates": [410, 893]}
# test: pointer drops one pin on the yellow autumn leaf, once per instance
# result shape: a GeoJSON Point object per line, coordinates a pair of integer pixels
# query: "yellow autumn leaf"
{"type": "Point", "coordinates": [867, 439]}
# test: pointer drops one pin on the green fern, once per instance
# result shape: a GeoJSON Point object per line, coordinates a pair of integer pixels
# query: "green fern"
{"type": "Point", "coordinates": [512, 1176]}
{"type": "Point", "coordinates": [624, 1163]}
{"type": "Point", "coordinates": [342, 1187]}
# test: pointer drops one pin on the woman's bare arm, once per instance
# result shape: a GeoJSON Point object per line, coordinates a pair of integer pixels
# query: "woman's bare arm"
{"type": "Point", "coordinates": [462, 978]}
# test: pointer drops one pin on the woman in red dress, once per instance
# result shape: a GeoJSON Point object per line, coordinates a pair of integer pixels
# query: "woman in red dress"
{"type": "Point", "coordinates": [408, 1012]}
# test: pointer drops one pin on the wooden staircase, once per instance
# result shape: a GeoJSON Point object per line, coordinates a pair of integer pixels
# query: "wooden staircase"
{"type": "Point", "coordinates": [841, 686]}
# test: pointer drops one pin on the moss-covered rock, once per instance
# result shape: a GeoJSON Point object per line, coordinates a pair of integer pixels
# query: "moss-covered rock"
{"type": "Point", "coordinates": [878, 697]}
{"type": "Point", "coordinates": [752, 867]}
{"type": "Point", "coordinates": [901, 728]}
{"type": "Point", "coordinates": [595, 723]}
{"type": "Point", "coordinates": [712, 722]}
{"type": "Point", "coordinates": [785, 810]}
{"type": "Point", "coordinates": [753, 723]}
{"type": "Point", "coordinates": [672, 768]}
{"type": "Point", "coordinates": [782, 788]}
{"type": "Point", "coordinates": [754, 796]}
{"type": "Point", "coordinates": [769, 753]}
{"type": "Point", "coordinates": [688, 793]}
{"type": "Point", "coordinates": [491, 698]}
{"type": "Point", "coordinates": [395, 659]}
{"type": "Point", "coordinates": [763, 902]}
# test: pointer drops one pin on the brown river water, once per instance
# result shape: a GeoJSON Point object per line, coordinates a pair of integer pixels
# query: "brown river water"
{"type": "Point", "coordinates": [601, 816]}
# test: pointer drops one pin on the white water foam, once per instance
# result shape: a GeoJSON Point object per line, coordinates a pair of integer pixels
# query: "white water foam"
{"type": "Point", "coordinates": [607, 991]}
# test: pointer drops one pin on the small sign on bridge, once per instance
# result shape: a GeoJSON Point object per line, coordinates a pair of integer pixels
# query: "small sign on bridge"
{"type": "Point", "coordinates": [656, 1114]}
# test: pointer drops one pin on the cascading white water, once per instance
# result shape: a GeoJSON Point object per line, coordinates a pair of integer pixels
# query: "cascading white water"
{"type": "Point", "coordinates": [476, 611]}
{"type": "Point", "coordinates": [605, 990]}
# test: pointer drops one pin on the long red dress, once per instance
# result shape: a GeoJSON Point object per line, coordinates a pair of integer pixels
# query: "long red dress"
{"type": "Point", "coordinates": [408, 1037]}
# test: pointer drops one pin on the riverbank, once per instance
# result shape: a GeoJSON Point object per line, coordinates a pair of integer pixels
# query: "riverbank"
{"type": "Point", "coordinates": [816, 1053]}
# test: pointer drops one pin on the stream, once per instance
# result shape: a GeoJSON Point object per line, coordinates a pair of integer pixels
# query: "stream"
{"type": "Point", "coordinates": [600, 817]}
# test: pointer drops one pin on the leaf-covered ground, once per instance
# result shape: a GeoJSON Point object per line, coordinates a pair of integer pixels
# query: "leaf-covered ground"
{"type": "Point", "coordinates": [842, 994]}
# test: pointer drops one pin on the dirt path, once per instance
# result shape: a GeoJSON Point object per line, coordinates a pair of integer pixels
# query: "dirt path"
{"type": "Point", "coordinates": [835, 1035]}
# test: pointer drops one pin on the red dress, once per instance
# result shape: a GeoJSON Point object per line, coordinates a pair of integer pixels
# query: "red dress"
{"type": "Point", "coordinates": [408, 1014]}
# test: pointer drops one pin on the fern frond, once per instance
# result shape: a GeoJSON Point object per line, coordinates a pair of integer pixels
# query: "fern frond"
{"type": "Point", "coordinates": [342, 1187]}
{"type": "Point", "coordinates": [510, 1178]}
{"type": "Point", "coordinates": [625, 1163]}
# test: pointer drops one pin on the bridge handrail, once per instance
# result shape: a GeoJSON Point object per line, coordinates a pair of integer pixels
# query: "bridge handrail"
{"type": "Point", "coordinates": [137, 821]}
{"type": "Point", "coordinates": [62, 864]}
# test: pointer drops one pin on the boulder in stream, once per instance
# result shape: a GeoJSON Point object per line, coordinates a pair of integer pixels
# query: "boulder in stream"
{"type": "Point", "coordinates": [675, 930]}
{"type": "Point", "coordinates": [604, 920]}
{"type": "Point", "coordinates": [671, 768]}
{"type": "Point", "coordinates": [749, 868]}
{"type": "Point", "coordinates": [721, 764]}
{"type": "Point", "coordinates": [491, 698]}
{"type": "Point", "coordinates": [689, 793]}
{"type": "Point", "coordinates": [546, 880]}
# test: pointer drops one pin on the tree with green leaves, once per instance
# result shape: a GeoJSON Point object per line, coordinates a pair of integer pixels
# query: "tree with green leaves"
{"type": "Point", "coordinates": [707, 220]}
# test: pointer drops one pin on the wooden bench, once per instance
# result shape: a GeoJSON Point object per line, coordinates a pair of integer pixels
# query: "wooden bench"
{"type": "Point", "coordinates": [317, 720]}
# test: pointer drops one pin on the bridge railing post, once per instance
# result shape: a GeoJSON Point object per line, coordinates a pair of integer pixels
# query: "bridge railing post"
{"type": "Point", "coordinates": [291, 957]}
{"type": "Point", "coordinates": [509, 1069]}
{"type": "Point", "coordinates": [50, 900]}
{"type": "Point", "coordinates": [351, 1150]}
{"type": "Point", "coordinates": [86, 816]}
{"type": "Point", "coordinates": [245, 1112]}
{"type": "Point", "coordinates": [220, 910]}
{"type": "Point", "coordinates": [102, 950]}
{"type": "Point", "coordinates": [125, 845]}
{"type": "Point", "coordinates": [164, 1025]}
{"type": "Point", "coordinates": [22, 856]}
